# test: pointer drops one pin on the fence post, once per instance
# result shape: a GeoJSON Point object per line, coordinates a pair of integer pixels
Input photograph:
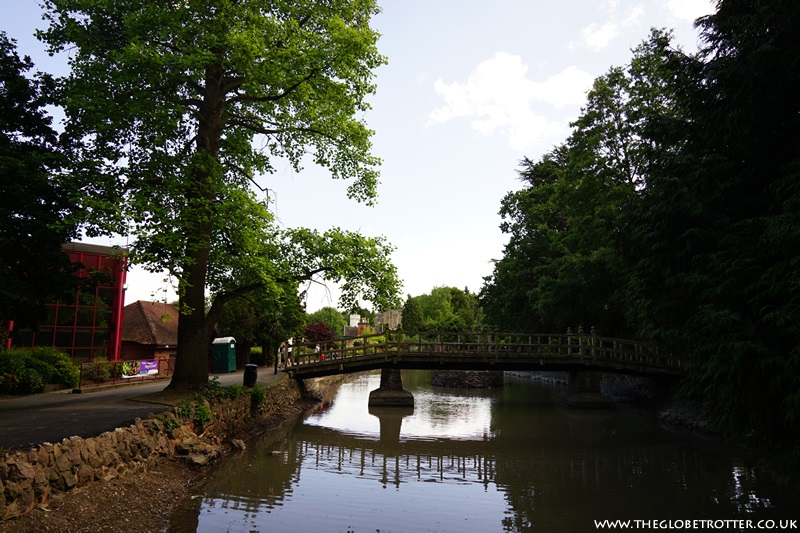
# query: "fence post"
{"type": "Point", "coordinates": [569, 342]}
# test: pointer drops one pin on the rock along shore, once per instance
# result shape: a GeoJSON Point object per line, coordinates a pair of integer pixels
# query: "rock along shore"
{"type": "Point", "coordinates": [147, 467]}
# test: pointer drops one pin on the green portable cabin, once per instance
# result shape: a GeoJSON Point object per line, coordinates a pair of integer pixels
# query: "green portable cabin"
{"type": "Point", "coordinates": [223, 354]}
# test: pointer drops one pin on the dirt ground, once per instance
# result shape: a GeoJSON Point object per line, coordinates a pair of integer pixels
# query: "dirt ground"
{"type": "Point", "coordinates": [141, 503]}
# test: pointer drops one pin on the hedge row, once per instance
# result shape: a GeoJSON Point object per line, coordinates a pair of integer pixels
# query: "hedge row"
{"type": "Point", "coordinates": [28, 370]}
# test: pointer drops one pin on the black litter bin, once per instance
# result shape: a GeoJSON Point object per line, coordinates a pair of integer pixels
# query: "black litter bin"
{"type": "Point", "coordinates": [250, 375]}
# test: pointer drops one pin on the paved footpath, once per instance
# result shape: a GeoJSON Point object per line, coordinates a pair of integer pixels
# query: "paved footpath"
{"type": "Point", "coordinates": [26, 421]}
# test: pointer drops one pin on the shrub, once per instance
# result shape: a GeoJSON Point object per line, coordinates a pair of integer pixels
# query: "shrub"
{"type": "Point", "coordinates": [184, 410]}
{"type": "Point", "coordinates": [257, 357]}
{"type": "Point", "coordinates": [169, 423]}
{"type": "Point", "coordinates": [65, 372]}
{"type": "Point", "coordinates": [12, 362]}
{"type": "Point", "coordinates": [11, 367]}
{"type": "Point", "coordinates": [95, 373]}
{"type": "Point", "coordinates": [30, 382]}
{"type": "Point", "coordinates": [202, 414]}
{"type": "Point", "coordinates": [28, 370]}
{"type": "Point", "coordinates": [216, 391]}
{"type": "Point", "coordinates": [101, 372]}
{"type": "Point", "coordinates": [257, 397]}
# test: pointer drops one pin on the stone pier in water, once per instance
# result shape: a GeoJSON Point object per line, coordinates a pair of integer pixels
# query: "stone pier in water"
{"type": "Point", "coordinates": [583, 392]}
{"type": "Point", "coordinates": [391, 392]}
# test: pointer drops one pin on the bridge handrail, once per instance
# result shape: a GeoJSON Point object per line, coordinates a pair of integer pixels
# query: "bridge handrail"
{"type": "Point", "coordinates": [399, 343]}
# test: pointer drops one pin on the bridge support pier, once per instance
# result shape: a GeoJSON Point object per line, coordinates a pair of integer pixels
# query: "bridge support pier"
{"type": "Point", "coordinates": [391, 392]}
{"type": "Point", "coordinates": [583, 392]}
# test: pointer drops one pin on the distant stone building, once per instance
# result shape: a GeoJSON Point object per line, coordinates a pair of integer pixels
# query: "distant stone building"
{"type": "Point", "coordinates": [359, 325]}
{"type": "Point", "coordinates": [149, 330]}
{"type": "Point", "coordinates": [391, 319]}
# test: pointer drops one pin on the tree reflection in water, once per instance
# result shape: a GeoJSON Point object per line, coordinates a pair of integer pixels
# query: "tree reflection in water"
{"type": "Point", "coordinates": [516, 462]}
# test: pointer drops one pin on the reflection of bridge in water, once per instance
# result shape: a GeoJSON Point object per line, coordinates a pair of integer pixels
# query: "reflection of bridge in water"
{"type": "Point", "coordinates": [392, 459]}
{"type": "Point", "coordinates": [534, 474]}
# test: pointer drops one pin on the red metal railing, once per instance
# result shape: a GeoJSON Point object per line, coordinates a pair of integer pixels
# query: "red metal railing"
{"type": "Point", "coordinates": [118, 372]}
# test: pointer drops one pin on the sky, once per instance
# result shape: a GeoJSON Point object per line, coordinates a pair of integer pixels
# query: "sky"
{"type": "Point", "coordinates": [470, 89]}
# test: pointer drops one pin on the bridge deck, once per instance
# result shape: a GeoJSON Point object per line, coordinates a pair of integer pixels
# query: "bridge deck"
{"type": "Point", "coordinates": [479, 351]}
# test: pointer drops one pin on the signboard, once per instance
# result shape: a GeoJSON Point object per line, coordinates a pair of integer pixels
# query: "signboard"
{"type": "Point", "coordinates": [137, 369]}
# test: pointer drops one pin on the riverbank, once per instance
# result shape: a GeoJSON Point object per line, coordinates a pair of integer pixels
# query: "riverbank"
{"type": "Point", "coordinates": [143, 501]}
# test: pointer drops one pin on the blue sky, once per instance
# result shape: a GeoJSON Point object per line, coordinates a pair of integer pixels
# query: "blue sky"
{"type": "Point", "coordinates": [470, 89]}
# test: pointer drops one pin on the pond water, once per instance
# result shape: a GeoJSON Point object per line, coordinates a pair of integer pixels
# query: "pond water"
{"type": "Point", "coordinates": [505, 459]}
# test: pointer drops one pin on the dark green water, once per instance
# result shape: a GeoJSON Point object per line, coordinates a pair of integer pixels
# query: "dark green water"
{"type": "Point", "coordinates": [477, 461]}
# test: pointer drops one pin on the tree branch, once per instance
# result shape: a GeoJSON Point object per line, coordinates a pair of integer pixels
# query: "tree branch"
{"type": "Point", "coordinates": [221, 299]}
{"type": "Point", "coordinates": [252, 127]}
{"type": "Point", "coordinates": [275, 97]}
{"type": "Point", "coordinates": [231, 83]}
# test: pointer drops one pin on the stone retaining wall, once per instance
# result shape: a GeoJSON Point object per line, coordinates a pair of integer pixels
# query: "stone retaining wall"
{"type": "Point", "coordinates": [467, 378]}
{"type": "Point", "coordinates": [31, 477]}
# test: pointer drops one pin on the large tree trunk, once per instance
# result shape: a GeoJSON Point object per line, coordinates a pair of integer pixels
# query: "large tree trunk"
{"type": "Point", "coordinates": [194, 327]}
{"type": "Point", "coordinates": [194, 331]}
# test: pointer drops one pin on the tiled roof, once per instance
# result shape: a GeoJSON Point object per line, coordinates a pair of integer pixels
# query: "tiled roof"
{"type": "Point", "coordinates": [151, 323]}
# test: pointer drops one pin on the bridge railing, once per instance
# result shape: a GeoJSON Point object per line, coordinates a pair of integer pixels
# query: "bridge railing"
{"type": "Point", "coordinates": [587, 348]}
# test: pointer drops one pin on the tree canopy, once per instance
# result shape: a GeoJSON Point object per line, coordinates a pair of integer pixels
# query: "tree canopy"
{"type": "Point", "coordinates": [36, 205]}
{"type": "Point", "coordinates": [329, 316]}
{"type": "Point", "coordinates": [672, 214]}
{"type": "Point", "coordinates": [560, 267]}
{"type": "Point", "coordinates": [175, 109]}
{"type": "Point", "coordinates": [264, 318]}
{"type": "Point", "coordinates": [714, 244]}
{"type": "Point", "coordinates": [443, 309]}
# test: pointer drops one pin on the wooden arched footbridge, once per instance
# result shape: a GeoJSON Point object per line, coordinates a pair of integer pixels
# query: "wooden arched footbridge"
{"type": "Point", "coordinates": [479, 351]}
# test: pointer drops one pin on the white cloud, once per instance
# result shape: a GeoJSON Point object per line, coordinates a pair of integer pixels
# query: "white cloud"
{"type": "Point", "coordinates": [690, 9]}
{"type": "Point", "coordinates": [598, 36]}
{"type": "Point", "coordinates": [498, 96]}
{"type": "Point", "coordinates": [634, 17]}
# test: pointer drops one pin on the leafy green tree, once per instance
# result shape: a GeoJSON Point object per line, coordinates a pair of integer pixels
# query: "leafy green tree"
{"type": "Point", "coordinates": [444, 309]}
{"type": "Point", "coordinates": [329, 316]}
{"type": "Point", "coordinates": [436, 309]}
{"type": "Point", "coordinates": [174, 108]}
{"type": "Point", "coordinates": [561, 267]}
{"type": "Point", "coordinates": [36, 207]}
{"type": "Point", "coordinates": [466, 308]}
{"type": "Point", "coordinates": [715, 242]}
{"type": "Point", "coordinates": [532, 222]}
{"type": "Point", "coordinates": [412, 315]}
{"type": "Point", "coordinates": [263, 318]}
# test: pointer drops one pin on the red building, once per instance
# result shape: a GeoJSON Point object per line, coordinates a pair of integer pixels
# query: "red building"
{"type": "Point", "coordinates": [88, 327]}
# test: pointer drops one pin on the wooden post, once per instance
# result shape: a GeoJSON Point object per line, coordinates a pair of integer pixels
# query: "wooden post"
{"type": "Point", "coordinates": [569, 342]}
